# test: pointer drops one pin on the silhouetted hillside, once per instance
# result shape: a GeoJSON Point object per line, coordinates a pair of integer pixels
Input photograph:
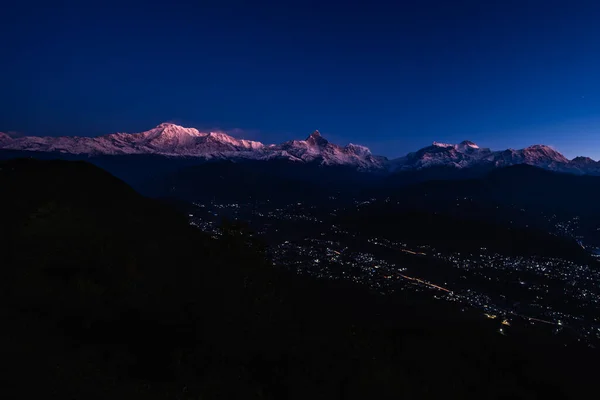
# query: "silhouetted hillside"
{"type": "Point", "coordinates": [275, 181]}
{"type": "Point", "coordinates": [520, 195]}
{"type": "Point", "coordinates": [107, 294]}
{"type": "Point", "coordinates": [520, 184]}
{"type": "Point", "coordinates": [194, 179]}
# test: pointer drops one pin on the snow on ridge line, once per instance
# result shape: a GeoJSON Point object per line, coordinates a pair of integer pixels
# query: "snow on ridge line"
{"type": "Point", "coordinates": [440, 144]}
{"type": "Point", "coordinates": [468, 155]}
{"type": "Point", "coordinates": [174, 140]}
{"type": "Point", "coordinates": [464, 143]}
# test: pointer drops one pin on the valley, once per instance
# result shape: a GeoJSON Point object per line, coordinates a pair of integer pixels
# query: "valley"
{"type": "Point", "coordinates": [216, 296]}
{"type": "Point", "coordinates": [545, 294]}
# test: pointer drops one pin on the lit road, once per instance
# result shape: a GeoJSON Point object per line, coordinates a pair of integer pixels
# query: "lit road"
{"type": "Point", "coordinates": [425, 283]}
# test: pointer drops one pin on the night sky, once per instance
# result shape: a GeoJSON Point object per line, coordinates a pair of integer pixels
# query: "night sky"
{"type": "Point", "coordinates": [391, 75]}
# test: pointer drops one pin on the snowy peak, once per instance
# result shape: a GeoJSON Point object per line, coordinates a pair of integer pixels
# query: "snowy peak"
{"type": "Point", "coordinates": [541, 148]}
{"type": "Point", "coordinates": [174, 140]}
{"type": "Point", "coordinates": [441, 154]}
{"type": "Point", "coordinates": [358, 149]}
{"type": "Point", "coordinates": [464, 145]}
{"type": "Point", "coordinates": [315, 139]}
{"type": "Point", "coordinates": [468, 143]}
{"type": "Point", "coordinates": [4, 137]}
{"type": "Point", "coordinates": [583, 161]}
{"type": "Point", "coordinates": [443, 145]}
{"type": "Point", "coordinates": [540, 151]}
{"type": "Point", "coordinates": [170, 130]}
{"type": "Point", "coordinates": [166, 125]}
{"type": "Point", "coordinates": [221, 137]}
{"type": "Point", "coordinates": [317, 149]}
{"type": "Point", "coordinates": [584, 165]}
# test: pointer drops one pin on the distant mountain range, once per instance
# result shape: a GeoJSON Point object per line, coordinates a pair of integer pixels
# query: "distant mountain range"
{"type": "Point", "coordinates": [176, 141]}
{"type": "Point", "coordinates": [468, 155]}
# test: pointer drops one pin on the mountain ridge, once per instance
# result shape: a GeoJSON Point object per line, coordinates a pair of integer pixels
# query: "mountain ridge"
{"type": "Point", "coordinates": [176, 141]}
{"type": "Point", "coordinates": [171, 140]}
{"type": "Point", "coordinates": [468, 155]}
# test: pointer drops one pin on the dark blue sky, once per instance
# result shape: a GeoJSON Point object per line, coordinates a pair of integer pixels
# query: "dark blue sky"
{"type": "Point", "coordinates": [391, 75]}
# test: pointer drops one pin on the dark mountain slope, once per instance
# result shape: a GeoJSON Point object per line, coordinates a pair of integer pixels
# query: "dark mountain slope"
{"type": "Point", "coordinates": [135, 169]}
{"type": "Point", "coordinates": [109, 295]}
{"type": "Point", "coordinates": [523, 184]}
{"type": "Point", "coordinates": [275, 180]}
{"type": "Point", "coordinates": [520, 195]}
{"type": "Point", "coordinates": [190, 178]}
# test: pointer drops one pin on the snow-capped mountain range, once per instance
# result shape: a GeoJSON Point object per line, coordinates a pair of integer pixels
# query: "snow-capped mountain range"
{"type": "Point", "coordinates": [176, 141]}
{"type": "Point", "coordinates": [468, 155]}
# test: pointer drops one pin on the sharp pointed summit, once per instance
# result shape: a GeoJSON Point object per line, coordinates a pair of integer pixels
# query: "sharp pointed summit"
{"type": "Point", "coordinates": [316, 139]}
{"type": "Point", "coordinates": [469, 143]}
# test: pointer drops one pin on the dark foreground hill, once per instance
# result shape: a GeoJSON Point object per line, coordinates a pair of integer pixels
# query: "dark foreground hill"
{"type": "Point", "coordinates": [108, 295]}
{"type": "Point", "coordinates": [275, 181]}
{"type": "Point", "coordinates": [520, 195]}
{"type": "Point", "coordinates": [194, 179]}
{"type": "Point", "coordinates": [527, 186]}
